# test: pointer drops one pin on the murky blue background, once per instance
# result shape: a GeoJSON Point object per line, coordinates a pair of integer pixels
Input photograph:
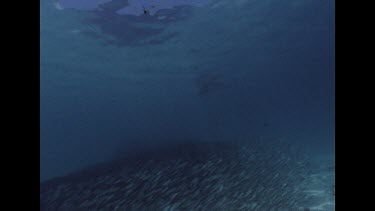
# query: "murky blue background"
{"type": "Point", "coordinates": [227, 70]}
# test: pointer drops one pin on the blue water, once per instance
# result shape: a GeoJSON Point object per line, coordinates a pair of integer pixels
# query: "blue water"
{"type": "Point", "coordinates": [228, 70]}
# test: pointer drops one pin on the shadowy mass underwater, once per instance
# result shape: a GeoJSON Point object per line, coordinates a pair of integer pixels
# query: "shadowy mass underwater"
{"type": "Point", "coordinates": [188, 176]}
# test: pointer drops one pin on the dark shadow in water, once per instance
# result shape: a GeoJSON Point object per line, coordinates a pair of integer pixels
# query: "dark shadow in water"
{"type": "Point", "coordinates": [209, 83]}
{"type": "Point", "coordinates": [128, 30]}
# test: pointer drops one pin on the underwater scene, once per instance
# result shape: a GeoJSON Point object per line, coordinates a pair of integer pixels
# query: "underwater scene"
{"type": "Point", "coordinates": [170, 105]}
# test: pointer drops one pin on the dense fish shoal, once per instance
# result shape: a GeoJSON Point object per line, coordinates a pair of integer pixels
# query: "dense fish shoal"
{"type": "Point", "coordinates": [188, 176]}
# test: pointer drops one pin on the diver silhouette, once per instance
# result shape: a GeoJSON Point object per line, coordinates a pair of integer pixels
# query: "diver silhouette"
{"type": "Point", "coordinates": [145, 11]}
